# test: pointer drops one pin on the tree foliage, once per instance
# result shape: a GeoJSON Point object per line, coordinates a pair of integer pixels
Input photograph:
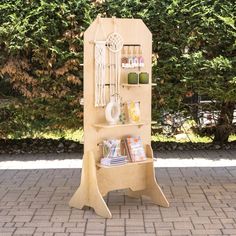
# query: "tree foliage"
{"type": "Point", "coordinates": [42, 49]}
{"type": "Point", "coordinates": [195, 42]}
{"type": "Point", "coordinates": [41, 45]}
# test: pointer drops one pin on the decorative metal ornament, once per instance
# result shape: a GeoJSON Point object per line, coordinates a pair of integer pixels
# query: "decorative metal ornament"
{"type": "Point", "coordinates": [114, 42]}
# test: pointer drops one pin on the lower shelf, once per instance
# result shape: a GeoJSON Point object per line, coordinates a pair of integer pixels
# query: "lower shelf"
{"type": "Point", "coordinates": [149, 160]}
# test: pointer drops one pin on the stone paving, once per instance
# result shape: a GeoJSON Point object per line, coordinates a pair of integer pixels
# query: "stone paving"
{"type": "Point", "coordinates": [202, 202]}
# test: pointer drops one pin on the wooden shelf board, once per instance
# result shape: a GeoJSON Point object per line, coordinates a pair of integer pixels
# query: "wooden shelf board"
{"type": "Point", "coordinates": [149, 160]}
{"type": "Point", "coordinates": [107, 126]}
{"type": "Point", "coordinates": [133, 85]}
{"type": "Point", "coordinates": [136, 85]}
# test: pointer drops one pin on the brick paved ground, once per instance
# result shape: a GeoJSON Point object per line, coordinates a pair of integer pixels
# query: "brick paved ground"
{"type": "Point", "coordinates": [202, 202]}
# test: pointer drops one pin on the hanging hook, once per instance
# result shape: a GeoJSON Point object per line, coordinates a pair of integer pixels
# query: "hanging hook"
{"type": "Point", "coordinates": [114, 22]}
{"type": "Point", "coordinates": [113, 19]}
{"type": "Point", "coordinates": [99, 18]}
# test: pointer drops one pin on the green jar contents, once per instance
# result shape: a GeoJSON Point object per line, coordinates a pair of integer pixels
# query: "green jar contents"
{"type": "Point", "coordinates": [143, 78]}
{"type": "Point", "coordinates": [132, 78]}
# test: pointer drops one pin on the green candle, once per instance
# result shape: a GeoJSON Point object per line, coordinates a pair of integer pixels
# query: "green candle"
{"type": "Point", "coordinates": [132, 78]}
{"type": "Point", "coordinates": [143, 78]}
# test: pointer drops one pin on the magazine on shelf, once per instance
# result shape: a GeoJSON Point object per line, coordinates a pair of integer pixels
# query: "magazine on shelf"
{"type": "Point", "coordinates": [127, 150]}
{"type": "Point", "coordinates": [112, 153]}
{"type": "Point", "coordinates": [111, 148]}
{"type": "Point", "coordinates": [134, 149]}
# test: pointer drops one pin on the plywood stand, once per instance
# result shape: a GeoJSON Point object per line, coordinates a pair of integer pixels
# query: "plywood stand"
{"type": "Point", "coordinates": [137, 177]}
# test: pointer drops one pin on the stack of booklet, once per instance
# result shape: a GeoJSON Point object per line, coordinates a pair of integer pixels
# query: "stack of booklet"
{"type": "Point", "coordinates": [112, 154]}
{"type": "Point", "coordinates": [111, 161]}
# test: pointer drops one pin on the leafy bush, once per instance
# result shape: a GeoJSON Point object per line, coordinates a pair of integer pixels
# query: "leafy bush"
{"type": "Point", "coordinates": [41, 45]}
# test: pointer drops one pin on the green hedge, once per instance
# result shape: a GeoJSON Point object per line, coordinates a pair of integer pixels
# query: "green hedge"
{"type": "Point", "coordinates": [41, 45]}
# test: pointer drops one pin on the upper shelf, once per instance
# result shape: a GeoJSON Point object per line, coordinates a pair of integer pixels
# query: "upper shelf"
{"type": "Point", "coordinates": [136, 85]}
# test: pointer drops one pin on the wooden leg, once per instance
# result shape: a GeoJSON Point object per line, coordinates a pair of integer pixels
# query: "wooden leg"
{"type": "Point", "coordinates": [88, 193]}
{"type": "Point", "coordinates": [79, 198]}
{"type": "Point", "coordinates": [152, 189]}
{"type": "Point", "coordinates": [156, 195]}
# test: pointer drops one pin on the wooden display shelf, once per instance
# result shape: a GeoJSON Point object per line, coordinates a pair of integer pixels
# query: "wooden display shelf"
{"type": "Point", "coordinates": [136, 178]}
{"type": "Point", "coordinates": [107, 126]}
{"type": "Point", "coordinates": [149, 160]}
{"type": "Point", "coordinates": [136, 85]}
